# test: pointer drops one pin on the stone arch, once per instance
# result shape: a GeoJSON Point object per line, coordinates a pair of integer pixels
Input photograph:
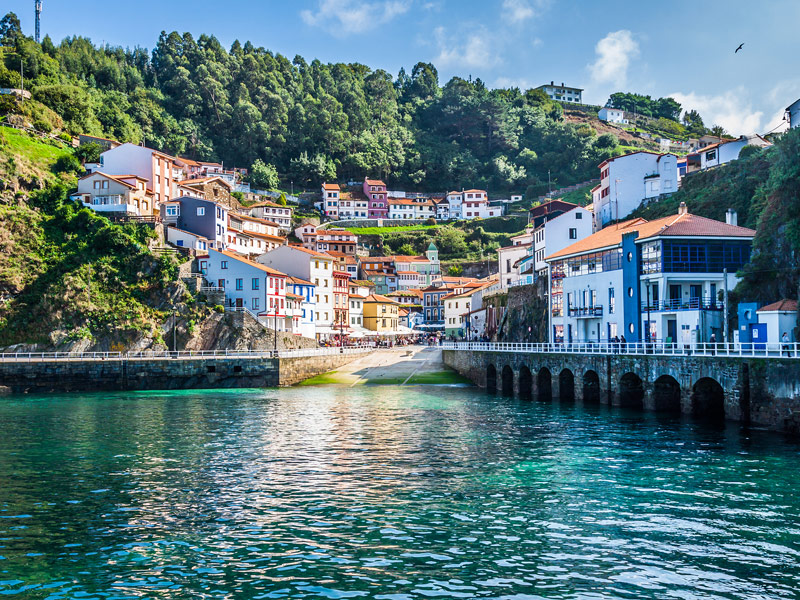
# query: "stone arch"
{"type": "Point", "coordinates": [544, 384]}
{"type": "Point", "coordinates": [708, 399]}
{"type": "Point", "coordinates": [631, 391]}
{"type": "Point", "coordinates": [525, 382]}
{"type": "Point", "coordinates": [491, 378]}
{"type": "Point", "coordinates": [566, 386]}
{"type": "Point", "coordinates": [507, 381]}
{"type": "Point", "coordinates": [591, 387]}
{"type": "Point", "coordinates": [667, 394]}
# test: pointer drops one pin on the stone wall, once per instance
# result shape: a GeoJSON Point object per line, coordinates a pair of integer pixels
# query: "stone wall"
{"type": "Point", "coordinates": [164, 374]}
{"type": "Point", "coordinates": [761, 392]}
{"type": "Point", "coordinates": [525, 320]}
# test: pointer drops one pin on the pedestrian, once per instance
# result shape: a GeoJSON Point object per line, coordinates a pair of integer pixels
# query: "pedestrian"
{"type": "Point", "coordinates": [615, 344]}
{"type": "Point", "coordinates": [622, 343]}
{"type": "Point", "coordinates": [713, 341]}
{"type": "Point", "coordinates": [786, 344]}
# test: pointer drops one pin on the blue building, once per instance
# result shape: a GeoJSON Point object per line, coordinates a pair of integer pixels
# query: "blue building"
{"type": "Point", "coordinates": [203, 218]}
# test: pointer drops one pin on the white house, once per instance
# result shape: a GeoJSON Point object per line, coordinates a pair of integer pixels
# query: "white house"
{"type": "Point", "coordinates": [558, 233]}
{"type": "Point", "coordinates": [508, 263]}
{"type": "Point", "coordinates": [793, 114]}
{"type": "Point", "coordinates": [627, 181]}
{"type": "Point", "coordinates": [454, 203]}
{"type": "Point", "coordinates": [722, 152]}
{"type": "Point", "coordinates": [271, 211]}
{"type": "Point", "coordinates": [562, 93]}
{"type": "Point", "coordinates": [312, 266]}
{"type": "Point", "coordinates": [779, 317]}
{"type": "Point", "coordinates": [612, 115]}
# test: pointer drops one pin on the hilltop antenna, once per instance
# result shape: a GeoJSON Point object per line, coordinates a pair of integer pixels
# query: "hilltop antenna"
{"type": "Point", "coordinates": [38, 5]}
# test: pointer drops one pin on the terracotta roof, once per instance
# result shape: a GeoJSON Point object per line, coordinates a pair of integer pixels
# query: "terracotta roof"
{"type": "Point", "coordinates": [331, 186]}
{"type": "Point", "coordinates": [474, 191]}
{"type": "Point", "coordinates": [362, 283]}
{"type": "Point", "coordinates": [295, 296]}
{"type": "Point", "coordinates": [250, 263]}
{"type": "Point", "coordinates": [407, 273]}
{"type": "Point", "coordinates": [677, 225]}
{"type": "Point", "coordinates": [265, 236]}
{"type": "Point", "coordinates": [780, 306]}
{"type": "Point", "coordinates": [201, 180]}
{"type": "Point", "coordinates": [268, 203]}
{"type": "Point", "coordinates": [694, 225]}
{"type": "Point", "coordinates": [379, 298]}
{"type": "Point", "coordinates": [409, 259]}
{"type": "Point", "coordinates": [298, 281]}
{"type": "Point", "coordinates": [374, 182]}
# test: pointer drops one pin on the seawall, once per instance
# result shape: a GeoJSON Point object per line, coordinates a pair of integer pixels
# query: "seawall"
{"type": "Point", "coordinates": [122, 373]}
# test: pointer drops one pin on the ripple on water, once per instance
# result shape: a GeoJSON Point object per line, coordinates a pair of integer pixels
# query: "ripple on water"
{"type": "Point", "coordinates": [395, 493]}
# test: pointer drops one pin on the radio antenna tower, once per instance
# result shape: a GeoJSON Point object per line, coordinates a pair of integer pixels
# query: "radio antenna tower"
{"type": "Point", "coordinates": [38, 20]}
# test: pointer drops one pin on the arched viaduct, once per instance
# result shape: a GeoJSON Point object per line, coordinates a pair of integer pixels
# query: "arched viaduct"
{"type": "Point", "coordinates": [763, 392]}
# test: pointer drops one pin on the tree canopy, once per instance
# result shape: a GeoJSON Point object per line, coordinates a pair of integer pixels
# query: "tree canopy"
{"type": "Point", "coordinates": [310, 121]}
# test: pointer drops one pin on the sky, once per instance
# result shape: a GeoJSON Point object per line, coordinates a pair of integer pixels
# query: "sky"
{"type": "Point", "coordinates": [679, 48]}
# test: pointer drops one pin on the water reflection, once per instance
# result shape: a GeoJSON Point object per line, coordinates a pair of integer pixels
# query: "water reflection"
{"type": "Point", "coordinates": [387, 493]}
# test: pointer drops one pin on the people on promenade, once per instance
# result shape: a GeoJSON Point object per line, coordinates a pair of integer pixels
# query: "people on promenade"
{"type": "Point", "coordinates": [713, 341]}
{"type": "Point", "coordinates": [785, 344]}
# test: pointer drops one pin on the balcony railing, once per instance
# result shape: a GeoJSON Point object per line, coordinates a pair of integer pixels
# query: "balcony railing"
{"type": "Point", "coordinates": [704, 303]}
{"type": "Point", "coordinates": [585, 312]}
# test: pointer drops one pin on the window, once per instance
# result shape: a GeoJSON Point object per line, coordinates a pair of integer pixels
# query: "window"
{"type": "Point", "coordinates": [201, 211]}
{"type": "Point", "coordinates": [223, 264]}
{"type": "Point", "coordinates": [611, 301]}
{"type": "Point", "coordinates": [257, 283]}
{"type": "Point", "coordinates": [578, 215]}
{"type": "Point", "coordinates": [256, 303]}
{"type": "Point", "coordinates": [173, 211]}
{"type": "Point", "coordinates": [239, 284]}
{"type": "Point", "coordinates": [573, 233]}
{"type": "Point", "coordinates": [711, 155]}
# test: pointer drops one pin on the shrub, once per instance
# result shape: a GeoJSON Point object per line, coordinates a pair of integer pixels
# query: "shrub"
{"type": "Point", "coordinates": [219, 308]}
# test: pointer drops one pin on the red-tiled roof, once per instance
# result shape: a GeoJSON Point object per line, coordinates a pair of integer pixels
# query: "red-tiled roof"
{"type": "Point", "coordinates": [379, 298]}
{"type": "Point", "coordinates": [780, 306]}
{"type": "Point", "coordinates": [298, 281]}
{"type": "Point", "coordinates": [331, 186]}
{"type": "Point", "coordinates": [374, 182]}
{"type": "Point", "coordinates": [694, 225]}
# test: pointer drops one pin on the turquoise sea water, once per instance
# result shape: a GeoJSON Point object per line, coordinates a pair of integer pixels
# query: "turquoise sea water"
{"type": "Point", "coordinates": [387, 492]}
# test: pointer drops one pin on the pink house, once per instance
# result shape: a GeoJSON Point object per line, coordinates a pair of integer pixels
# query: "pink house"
{"type": "Point", "coordinates": [375, 191]}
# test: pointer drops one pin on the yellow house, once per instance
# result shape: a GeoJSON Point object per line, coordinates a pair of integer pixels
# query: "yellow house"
{"type": "Point", "coordinates": [381, 314]}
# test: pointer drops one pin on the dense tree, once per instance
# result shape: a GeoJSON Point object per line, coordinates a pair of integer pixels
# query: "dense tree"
{"type": "Point", "coordinates": [310, 121]}
{"type": "Point", "coordinates": [264, 176]}
{"type": "Point", "coordinates": [667, 108]}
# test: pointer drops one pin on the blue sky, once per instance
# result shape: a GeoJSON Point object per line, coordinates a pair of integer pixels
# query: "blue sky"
{"type": "Point", "coordinates": [679, 48]}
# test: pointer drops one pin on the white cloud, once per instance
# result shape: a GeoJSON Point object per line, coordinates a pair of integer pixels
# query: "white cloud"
{"type": "Point", "coordinates": [342, 17]}
{"type": "Point", "coordinates": [472, 49]}
{"type": "Point", "coordinates": [518, 11]}
{"type": "Point", "coordinates": [730, 109]}
{"type": "Point", "coordinates": [614, 54]}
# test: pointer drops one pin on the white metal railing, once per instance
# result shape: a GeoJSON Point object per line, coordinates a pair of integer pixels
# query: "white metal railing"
{"type": "Point", "coordinates": [183, 354]}
{"type": "Point", "coordinates": [765, 350]}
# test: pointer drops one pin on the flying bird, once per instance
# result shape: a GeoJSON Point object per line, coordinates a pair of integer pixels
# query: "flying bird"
{"type": "Point", "coordinates": [739, 48]}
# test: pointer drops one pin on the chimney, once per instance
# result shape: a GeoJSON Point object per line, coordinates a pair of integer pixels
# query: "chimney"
{"type": "Point", "coordinates": [552, 83]}
{"type": "Point", "coordinates": [682, 210]}
{"type": "Point", "coordinates": [731, 218]}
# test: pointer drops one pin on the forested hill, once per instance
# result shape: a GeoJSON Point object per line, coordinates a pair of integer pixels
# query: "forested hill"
{"type": "Point", "coordinates": [312, 121]}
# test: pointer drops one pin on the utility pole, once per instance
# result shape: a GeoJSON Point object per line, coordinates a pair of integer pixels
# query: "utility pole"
{"type": "Point", "coordinates": [38, 9]}
{"type": "Point", "coordinates": [174, 330]}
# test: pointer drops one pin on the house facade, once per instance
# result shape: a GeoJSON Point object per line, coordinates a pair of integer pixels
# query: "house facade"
{"type": "Point", "coordinates": [714, 155]}
{"type": "Point", "coordinates": [612, 115]}
{"type": "Point", "coordinates": [259, 289]}
{"type": "Point", "coordinates": [155, 167]}
{"type": "Point", "coordinates": [330, 200]}
{"type": "Point", "coordinates": [658, 280]}
{"type": "Point", "coordinates": [270, 211]}
{"type": "Point", "coordinates": [627, 181]}
{"type": "Point", "coordinates": [310, 266]}
{"type": "Point", "coordinates": [377, 196]}
{"type": "Point", "coordinates": [381, 314]}
{"type": "Point", "coordinates": [562, 93]}
{"type": "Point", "coordinates": [122, 194]}
{"type": "Point", "coordinates": [204, 218]}
{"type": "Point", "coordinates": [793, 114]}
{"type": "Point", "coordinates": [308, 305]}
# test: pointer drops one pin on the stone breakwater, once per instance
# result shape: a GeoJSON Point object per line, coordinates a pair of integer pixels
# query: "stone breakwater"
{"type": "Point", "coordinates": [759, 392]}
{"type": "Point", "coordinates": [42, 376]}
